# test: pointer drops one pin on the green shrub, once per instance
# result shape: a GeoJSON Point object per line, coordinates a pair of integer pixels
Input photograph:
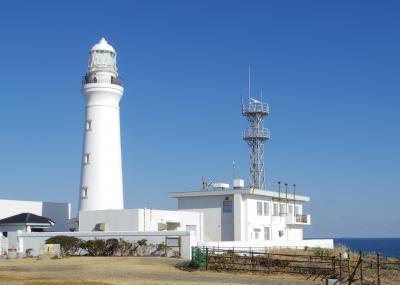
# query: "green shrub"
{"type": "Point", "coordinates": [111, 247]}
{"type": "Point", "coordinates": [68, 245]}
{"type": "Point", "coordinates": [142, 242]}
{"type": "Point", "coordinates": [94, 247]}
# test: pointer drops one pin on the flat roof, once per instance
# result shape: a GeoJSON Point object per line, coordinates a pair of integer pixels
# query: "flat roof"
{"type": "Point", "coordinates": [256, 192]}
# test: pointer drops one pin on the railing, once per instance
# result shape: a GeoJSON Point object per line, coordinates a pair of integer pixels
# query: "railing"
{"type": "Point", "coordinates": [302, 219]}
{"type": "Point", "coordinates": [112, 80]}
{"type": "Point", "coordinates": [315, 263]}
{"type": "Point", "coordinates": [251, 133]}
{"type": "Point", "coordinates": [298, 219]}
{"type": "Point", "coordinates": [256, 107]}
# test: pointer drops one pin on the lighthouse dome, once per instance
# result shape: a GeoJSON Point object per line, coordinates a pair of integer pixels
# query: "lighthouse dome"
{"type": "Point", "coordinates": [103, 45]}
{"type": "Point", "coordinates": [102, 58]}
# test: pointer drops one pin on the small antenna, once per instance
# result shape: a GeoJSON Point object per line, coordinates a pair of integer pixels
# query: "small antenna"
{"type": "Point", "coordinates": [279, 191]}
{"type": "Point", "coordinates": [261, 95]}
{"type": "Point", "coordinates": [249, 82]}
{"type": "Point", "coordinates": [233, 170]}
{"type": "Point", "coordinates": [294, 198]}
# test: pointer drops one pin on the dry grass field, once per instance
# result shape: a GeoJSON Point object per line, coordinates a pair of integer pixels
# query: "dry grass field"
{"type": "Point", "coordinates": [122, 270]}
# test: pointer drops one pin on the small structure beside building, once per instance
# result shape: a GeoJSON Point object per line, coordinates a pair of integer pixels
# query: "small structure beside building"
{"type": "Point", "coordinates": [25, 222]}
{"type": "Point", "coordinates": [59, 213]}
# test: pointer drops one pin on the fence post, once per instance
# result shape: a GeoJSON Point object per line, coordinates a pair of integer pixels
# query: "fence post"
{"type": "Point", "coordinates": [268, 263]}
{"type": "Point", "coordinates": [207, 258]}
{"type": "Point", "coordinates": [340, 266]}
{"type": "Point", "coordinates": [252, 260]}
{"type": "Point", "coordinates": [333, 266]}
{"type": "Point", "coordinates": [378, 268]}
{"type": "Point", "coordinates": [361, 268]}
{"type": "Point", "coordinates": [348, 266]}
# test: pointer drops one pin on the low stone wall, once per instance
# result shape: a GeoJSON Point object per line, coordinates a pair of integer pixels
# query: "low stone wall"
{"type": "Point", "coordinates": [35, 241]}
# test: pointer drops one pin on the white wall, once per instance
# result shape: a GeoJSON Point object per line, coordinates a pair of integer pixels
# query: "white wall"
{"type": "Point", "coordinates": [35, 241]}
{"type": "Point", "coordinates": [140, 220]}
{"type": "Point", "coordinates": [301, 244]}
{"type": "Point", "coordinates": [217, 225]}
{"type": "Point", "coordinates": [295, 233]}
{"type": "Point", "coordinates": [115, 220]}
{"type": "Point", "coordinates": [3, 244]}
{"type": "Point", "coordinates": [58, 212]}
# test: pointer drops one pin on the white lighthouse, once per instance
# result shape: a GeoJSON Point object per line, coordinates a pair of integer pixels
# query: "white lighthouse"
{"type": "Point", "coordinates": [101, 176]}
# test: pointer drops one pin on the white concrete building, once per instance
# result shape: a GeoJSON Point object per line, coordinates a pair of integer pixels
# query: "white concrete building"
{"type": "Point", "coordinates": [142, 220]}
{"type": "Point", "coordinates": [60, 213]}
{"type": "Point", "coordinates": [247, 214]}
{"type": "Point", "coordinates": [101, 178]}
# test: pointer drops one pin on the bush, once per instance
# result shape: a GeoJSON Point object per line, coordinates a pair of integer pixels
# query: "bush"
{"type": "Point", "coordinates": [322, 251]}
{"type": "Point", "coordinates": [94, 247]}
{"type": "Point", "coordinates": [68, 245]}
{"type": "Point", "coordinates": [112, 247]}
{"type": "Point", "coordinates": [142, 242]}
{"type": "Point", "coordinates": [109, 247]}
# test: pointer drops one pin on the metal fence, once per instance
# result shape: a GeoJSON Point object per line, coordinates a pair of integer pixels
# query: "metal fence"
{"type": "Point", "coordinates": [348, 268]}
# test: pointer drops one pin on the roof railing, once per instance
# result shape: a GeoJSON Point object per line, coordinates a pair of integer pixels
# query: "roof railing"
{"type": "Point", "coordinates": [93, 79]}
{"type": "Point", "coordinates": [252, 133]}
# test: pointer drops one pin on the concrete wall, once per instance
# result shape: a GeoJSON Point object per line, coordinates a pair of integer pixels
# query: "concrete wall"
{"type": "Point", "coordinates": [141, 220]}
{"type": "Point", "coordinates": [35, 241]}
{"type": "Point", "coordinates": [323, 243]}
{"type": "Point", "coordinates": [115, 220]}
{"type": "Point", "coordinates": [217, 225]}
{"type": "Point", "coordinates": [295, 233]}
{"type": "Point", "coordinates": [3, 245]}
{"type": "Point", "coordinates": [58, 212]}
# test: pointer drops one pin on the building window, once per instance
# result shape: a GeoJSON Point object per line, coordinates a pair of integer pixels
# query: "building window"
{"type": "Point", "coordinates": [259, 209]}
{"type": "Point", "coordinates": [84, 192]}
{"type": "Point", "coordinates": [257, 233]}
{"type": "Point", "coordinates": [282, 209]}
{"type": "Point", "coordinates": [290, 210]}
{"type": "Point", "coordinates": [227, 207]}
{"type": "Point", "coordinates": [267, 235]}
{"type": "Point", "coordinates": [88, 125]}
{"type": "Point", "coordinates": [86, 158]}
{"type": "Point", "coordinates": [280, 233]}
{"type": "Point", "coordinates": [266, 209]}
{"type": "Point", "coordinates": [276, 210]}
{"type": "Point", "coordinates": [297, 210]}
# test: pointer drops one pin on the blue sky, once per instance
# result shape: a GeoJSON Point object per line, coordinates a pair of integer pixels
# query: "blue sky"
{"type": "Point", "coordinates": [329, 69]}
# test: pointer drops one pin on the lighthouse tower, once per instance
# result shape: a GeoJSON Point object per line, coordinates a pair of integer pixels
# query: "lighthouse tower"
{"type": "Point", "coordinates": [101, 176]}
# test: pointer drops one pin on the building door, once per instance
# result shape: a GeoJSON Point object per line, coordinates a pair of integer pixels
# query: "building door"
{"type": "Point", "coordinates": [267, 233]}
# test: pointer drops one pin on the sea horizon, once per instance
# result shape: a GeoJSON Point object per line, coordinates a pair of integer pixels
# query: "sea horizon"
{"type": "Point", "coordinates": [389, 248]}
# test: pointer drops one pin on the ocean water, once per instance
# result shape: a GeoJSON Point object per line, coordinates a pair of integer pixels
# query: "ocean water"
{"type": "Point", "coordinates": [385, 246]}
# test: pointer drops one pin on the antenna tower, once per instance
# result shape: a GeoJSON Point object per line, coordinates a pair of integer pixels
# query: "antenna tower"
{"type": "Point", "coordinates": [256, 135]}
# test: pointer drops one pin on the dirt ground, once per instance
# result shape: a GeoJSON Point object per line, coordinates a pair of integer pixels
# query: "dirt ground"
{"type": "Point", "coordinates": [123, 270]}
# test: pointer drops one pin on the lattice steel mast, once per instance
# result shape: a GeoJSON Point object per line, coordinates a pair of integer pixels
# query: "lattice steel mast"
{"type": "Point", "coordinates": [256, 135]}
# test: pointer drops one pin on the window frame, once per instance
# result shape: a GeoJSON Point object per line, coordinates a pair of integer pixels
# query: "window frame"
{"type": "Point", "coordinates": [266, 208]}
{"type": "Point", "coordinates": [259, 208]}
{"type": "Point", "coordinates": [88, 125]}
{"type": "Point", "coordinates": [84, 193]}
{"type": "Point", "coordinates": [275, 209]}
{"type": "Point", "coordinates": [227, 206]}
